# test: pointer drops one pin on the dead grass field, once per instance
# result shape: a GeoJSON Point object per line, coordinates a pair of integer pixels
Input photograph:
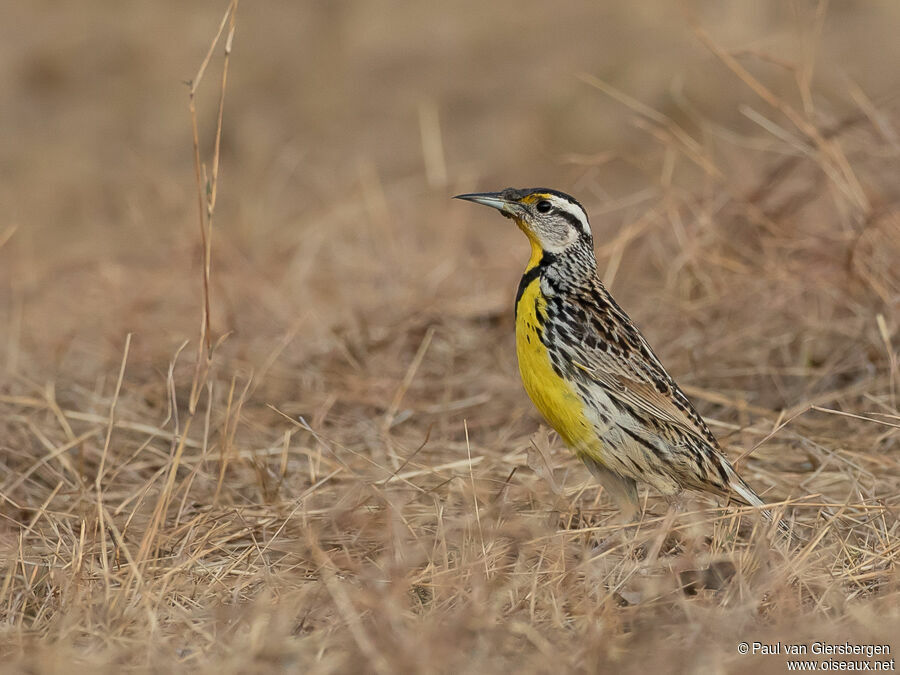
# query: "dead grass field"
{"type": "Point", "coordinates": [362, 485]}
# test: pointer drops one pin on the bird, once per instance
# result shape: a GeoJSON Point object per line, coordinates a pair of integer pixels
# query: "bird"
{"type": "Point", "coordinates": [592, 374]}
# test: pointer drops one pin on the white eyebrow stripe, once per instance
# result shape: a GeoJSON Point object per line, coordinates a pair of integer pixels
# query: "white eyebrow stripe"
{"type": "Point", "coordinates": [573, 209]}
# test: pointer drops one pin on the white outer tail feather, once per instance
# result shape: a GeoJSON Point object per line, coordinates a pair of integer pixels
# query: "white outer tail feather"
{"type": "Point", "coordinates": [749, 497]}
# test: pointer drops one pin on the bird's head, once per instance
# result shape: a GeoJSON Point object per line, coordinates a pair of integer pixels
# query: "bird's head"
{"type": "Point", "coordinates": [553, 221]}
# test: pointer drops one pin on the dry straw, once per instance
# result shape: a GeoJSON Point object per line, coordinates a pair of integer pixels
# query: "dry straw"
{"type": "Point", "coordinates": [380, 504]}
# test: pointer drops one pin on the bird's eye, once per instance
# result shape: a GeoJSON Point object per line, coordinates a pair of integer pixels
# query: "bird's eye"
{"type": "Point", "coordinates": [544, 206]}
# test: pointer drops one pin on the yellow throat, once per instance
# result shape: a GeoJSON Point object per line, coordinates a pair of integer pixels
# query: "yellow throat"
{"type": "Point", "coordinates": [551, 394]}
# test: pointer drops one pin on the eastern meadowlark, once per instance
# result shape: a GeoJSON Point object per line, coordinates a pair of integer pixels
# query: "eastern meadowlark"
{"type": "Point", "coordinates": [591, 373]}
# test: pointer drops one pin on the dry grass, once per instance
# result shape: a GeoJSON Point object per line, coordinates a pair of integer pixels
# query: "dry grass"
{"type": "Point", "coordinates": [350, 479]}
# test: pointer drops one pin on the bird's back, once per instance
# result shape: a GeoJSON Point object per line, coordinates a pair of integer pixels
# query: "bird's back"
{"type": "Point", "coordinates": [597, 381]}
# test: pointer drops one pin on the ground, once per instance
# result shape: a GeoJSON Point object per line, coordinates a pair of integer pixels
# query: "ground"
{"type": "Point", "coordinates": [351, 478]}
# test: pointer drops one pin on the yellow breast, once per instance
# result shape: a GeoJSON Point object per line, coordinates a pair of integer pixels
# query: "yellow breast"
{"type": "Point", "coordinates": [553, 396]}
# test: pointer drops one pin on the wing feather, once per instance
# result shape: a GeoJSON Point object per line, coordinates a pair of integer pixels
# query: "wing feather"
{"type": "Point", "coordinates": [612, 352]}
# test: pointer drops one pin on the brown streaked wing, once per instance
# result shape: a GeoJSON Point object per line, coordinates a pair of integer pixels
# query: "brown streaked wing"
{"type": "Point", "coordinates": [633, 376]}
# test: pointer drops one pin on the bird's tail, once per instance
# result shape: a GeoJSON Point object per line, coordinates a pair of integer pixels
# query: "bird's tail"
{"type": "Point", "coordinates": [742, 493]}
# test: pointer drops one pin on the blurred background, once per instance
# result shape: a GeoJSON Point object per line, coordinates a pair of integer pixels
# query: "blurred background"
{"type": "Point", "coordinates": [740, 165]}
{"type": "Point", "coordinates": [327, 186]}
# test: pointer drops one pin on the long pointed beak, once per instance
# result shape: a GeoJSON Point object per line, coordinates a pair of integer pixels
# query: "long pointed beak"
{"type": "Point", "coordinates": [492, 199]}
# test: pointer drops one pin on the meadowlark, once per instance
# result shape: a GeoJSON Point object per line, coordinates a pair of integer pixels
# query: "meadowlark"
{"type": "Point", "coordinates": [591, 373]}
